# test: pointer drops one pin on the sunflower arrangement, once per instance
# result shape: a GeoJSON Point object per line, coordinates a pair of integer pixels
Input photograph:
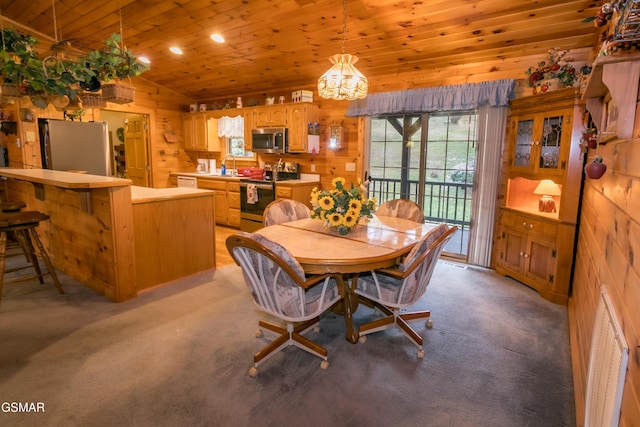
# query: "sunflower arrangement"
{"type": "Point", "coordinates": [341, 208]}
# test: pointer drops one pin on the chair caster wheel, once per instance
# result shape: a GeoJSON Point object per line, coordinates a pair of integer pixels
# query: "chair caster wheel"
{"type": "Point", "coordinates": [259, 333]}
{"type": "Point", "coordinates": [253, 372]}
{"type": "Point", "coordinates": [324, 364]}
{"type": "Point", "coordinates": [363, 339]}
{"type": "Point", "coordinates": [316, 329]}
{"type": "Point", "coordinates": [421, 354]}
{"type": "Point", "coordinates": [429, 324]}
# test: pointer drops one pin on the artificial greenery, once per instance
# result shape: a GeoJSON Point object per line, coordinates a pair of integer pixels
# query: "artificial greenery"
{"type": "Point", "coordinates": [58, 75]}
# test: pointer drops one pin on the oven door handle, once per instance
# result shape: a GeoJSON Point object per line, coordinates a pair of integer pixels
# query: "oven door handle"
{"type": "Point", "coordinates": [259, 186]}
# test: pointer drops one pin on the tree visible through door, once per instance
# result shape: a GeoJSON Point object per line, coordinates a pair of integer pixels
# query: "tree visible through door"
{"type": "Point", "coordinates": [430, 159]}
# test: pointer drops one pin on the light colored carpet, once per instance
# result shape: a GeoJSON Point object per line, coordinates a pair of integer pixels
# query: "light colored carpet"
{"type": "Point", "coordinates": [498, 355]}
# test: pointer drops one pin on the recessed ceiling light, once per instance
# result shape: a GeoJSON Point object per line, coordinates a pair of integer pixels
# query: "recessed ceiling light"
{"type": "Point", "coordinates": [217, 38]}
{"type": "Point", "coordinates": [176, 50]}
{"type": "Point", "coordinates": [144, 59]}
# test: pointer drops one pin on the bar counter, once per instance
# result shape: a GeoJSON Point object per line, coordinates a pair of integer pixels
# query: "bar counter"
{"type": "Point", "coordinates": [116, 238]}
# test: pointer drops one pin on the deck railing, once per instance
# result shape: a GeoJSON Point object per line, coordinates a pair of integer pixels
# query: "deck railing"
{"type": "Point", "coordinates": [448, 202]}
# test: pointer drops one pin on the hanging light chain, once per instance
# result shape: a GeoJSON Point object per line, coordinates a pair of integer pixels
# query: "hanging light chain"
{"type": "Point", "coordinates": [55, 20]}
{"type": "Point", "coordinates": [2, 29]}
{"type": "Point", "coordinates": [344, 25]}
{"type": "Point", "coordinates": [121, 32]}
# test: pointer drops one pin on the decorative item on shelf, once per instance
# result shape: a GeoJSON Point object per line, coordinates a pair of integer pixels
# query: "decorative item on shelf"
{"type": "Point", "coordinates": [605, 13]}
{"type": "Point", "coordinates": [301, 96]}
{"type": "Point", "coordinates": [589, 137]}
{"type": "Point", "coordinates": [547, 189]}
{"type": "Point", "coordinates": [281, 99]}
{"type": "Point", "coordinates": [269, 100]}
{"type": "Point", "coordinates": [553, 74]}
{"type": "Point", "coordinates": [239, 102]}
{"type": "Point", "coordinates": [595, 168]}
{"type": "Point", "coordinates": [336, 137]}
{"type": "Point", "coordinates": [343, 80]}
{"type": "Point", "coordinates": [341, 209]}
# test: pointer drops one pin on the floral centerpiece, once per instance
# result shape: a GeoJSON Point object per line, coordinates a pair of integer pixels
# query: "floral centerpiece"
{"type": "Point", "coordinates": [341, 208]}
{"type": "Point", "coordinates": [557, 67]}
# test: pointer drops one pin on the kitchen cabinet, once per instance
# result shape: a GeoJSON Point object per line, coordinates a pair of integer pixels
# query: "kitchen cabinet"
{"type": "Point", "coordinates": [300, 115]}
{"type": "Point", "coordinates": [536, 245]}
{"type": "Point", "coordinates": [247, 116]}
{"type": "Point", "coordinates": [201, 132]}
{"type": "Point", "coordinates": [220, 188]}
{"type": "Point", "coordinates": [271, 116]}
{"type": "Point", "coordinates": [233, 204]}
{"type": "Point", "coordinates": [296, 190]}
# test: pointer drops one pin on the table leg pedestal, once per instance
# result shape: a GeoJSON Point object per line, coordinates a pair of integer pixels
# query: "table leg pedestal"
{"type": "Point", "coordinates": [349, 306]}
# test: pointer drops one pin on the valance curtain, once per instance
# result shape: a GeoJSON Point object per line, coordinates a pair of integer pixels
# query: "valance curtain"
{"type": "Point", "coordinates": [491, 101]}
{"type": "Point", "coordinates": [469, 96]}
{"type": "Point", "coordinates": [231, 127]}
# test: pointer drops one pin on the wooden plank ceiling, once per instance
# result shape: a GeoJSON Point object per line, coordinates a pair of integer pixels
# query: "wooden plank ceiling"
{"type": "Point", "coordinates": [274, 44]}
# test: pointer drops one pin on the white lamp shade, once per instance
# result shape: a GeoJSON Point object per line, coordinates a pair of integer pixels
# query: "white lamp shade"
{"type": "Point", "coordinates": [548, 188]}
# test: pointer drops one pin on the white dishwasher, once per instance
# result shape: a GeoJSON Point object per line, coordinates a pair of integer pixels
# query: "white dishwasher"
{"type": "Point", "coordinates": [187, 181]}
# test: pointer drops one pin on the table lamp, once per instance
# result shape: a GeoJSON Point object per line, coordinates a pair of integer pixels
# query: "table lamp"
{"type": "Point", "coordinates": [547, 189]}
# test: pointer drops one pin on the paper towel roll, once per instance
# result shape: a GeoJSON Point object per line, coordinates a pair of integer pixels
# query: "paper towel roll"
{"type": "Point", "coordinates": [212, 166]}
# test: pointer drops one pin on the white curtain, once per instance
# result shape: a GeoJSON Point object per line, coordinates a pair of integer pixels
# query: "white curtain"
{"type": "Point", "coordinates": [231, 127]}
{"type": "Point", "coordinates": [491, 131]}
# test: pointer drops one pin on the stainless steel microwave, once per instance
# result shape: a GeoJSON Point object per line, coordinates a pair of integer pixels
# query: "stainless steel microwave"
{"type": "Point", "coordinates": [269, 140]}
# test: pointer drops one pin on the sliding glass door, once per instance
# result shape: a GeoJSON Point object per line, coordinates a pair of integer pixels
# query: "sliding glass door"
{"type": "Point", "coordinates": [430, 159]}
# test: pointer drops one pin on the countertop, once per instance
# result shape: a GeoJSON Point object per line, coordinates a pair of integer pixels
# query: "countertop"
{"type": "Point", "coordinates": [289, 182]}
{"type": "Point", "coordinates": [208, 176]}
{"type": "Point", "coordinates": [146, 195]}
{"type": "Point", "coordinates": [64, 179]}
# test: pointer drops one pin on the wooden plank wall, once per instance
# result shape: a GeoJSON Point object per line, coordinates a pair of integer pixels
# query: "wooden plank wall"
{"type": "Point", "coordinates": [608, 242]}
{"type": "Point", "coordinates": [94, 248]}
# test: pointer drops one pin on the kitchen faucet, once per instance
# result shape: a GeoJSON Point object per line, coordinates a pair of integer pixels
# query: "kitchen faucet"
{"type": "Point", "coordinates": [234, 171]}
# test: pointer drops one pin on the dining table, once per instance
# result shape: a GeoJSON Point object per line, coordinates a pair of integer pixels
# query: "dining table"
{"type": "Point", "coordinates": [377, 242]}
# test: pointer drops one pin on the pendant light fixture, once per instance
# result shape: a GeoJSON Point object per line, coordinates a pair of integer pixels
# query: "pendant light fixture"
{"type": "Point", "coordinates": [343, 80]}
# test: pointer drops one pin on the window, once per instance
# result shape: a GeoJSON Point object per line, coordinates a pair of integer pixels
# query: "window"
{"type": "Point", "coordinates": [430, 159]}
{"type": "Point", "coordinates": [235, 147]}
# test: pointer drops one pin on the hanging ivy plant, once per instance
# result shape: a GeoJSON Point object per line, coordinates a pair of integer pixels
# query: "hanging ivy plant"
{"type": "Point", "coordinates": [57, 76]}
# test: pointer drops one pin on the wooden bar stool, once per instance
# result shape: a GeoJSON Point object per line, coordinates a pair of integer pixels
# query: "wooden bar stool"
{"type": "Point", "coordinates": [23, 226]}
{"type": "Point", "coordinates": [12, 206]}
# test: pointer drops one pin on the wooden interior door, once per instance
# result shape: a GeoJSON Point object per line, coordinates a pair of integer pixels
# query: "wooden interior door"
{"type": "Point", "coordinates": [135, 144]}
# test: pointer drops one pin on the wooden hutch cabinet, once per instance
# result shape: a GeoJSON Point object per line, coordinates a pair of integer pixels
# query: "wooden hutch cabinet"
{"type": "Point", "coordinates": [535, 239]}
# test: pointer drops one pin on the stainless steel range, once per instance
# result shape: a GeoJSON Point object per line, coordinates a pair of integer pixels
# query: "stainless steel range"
{"type": "Point", "coordinates": [255, 195]}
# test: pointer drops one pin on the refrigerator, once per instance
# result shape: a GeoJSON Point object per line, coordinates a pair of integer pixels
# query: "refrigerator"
{"type": "Point", "coordinates": [66, 145]}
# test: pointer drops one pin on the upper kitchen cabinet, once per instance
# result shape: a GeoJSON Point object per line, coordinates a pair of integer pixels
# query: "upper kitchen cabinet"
{"type": "Point", "coordinates": [247, 115]}
{"type": "Point", "coordinates": [271, 116]}
{"type": "Point", "coordinates": [301, 114]}
{"type": "Point", "coordinates": [201, 132]}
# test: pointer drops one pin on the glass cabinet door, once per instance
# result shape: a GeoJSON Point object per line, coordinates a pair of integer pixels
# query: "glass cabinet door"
{"type": "Point", "coordinates": [550, 141]}
{"type": "Point", "coordinates": [523, 143]}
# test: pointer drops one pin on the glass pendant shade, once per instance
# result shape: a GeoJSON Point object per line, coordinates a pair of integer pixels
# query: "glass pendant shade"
{"type": "Point", "coordinates": [343, 80]}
